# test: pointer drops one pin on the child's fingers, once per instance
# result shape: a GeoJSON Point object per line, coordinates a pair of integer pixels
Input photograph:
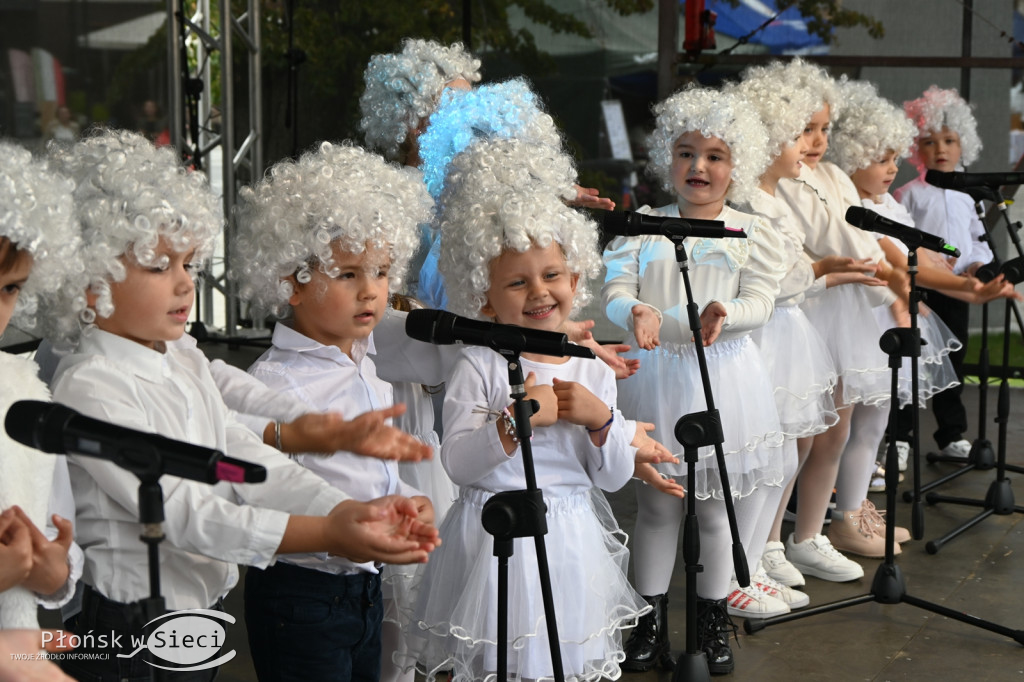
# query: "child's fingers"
{"type": "Point", "coordinates": [65, 531]}
{"type": "Point", "coordinates": [34, 534]}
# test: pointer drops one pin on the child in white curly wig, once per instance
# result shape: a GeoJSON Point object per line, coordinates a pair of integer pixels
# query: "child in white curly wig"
{"type": "Point", "coordinates": [707, 147]}
{"type": "Point", "coordinates": [514, 253]}
{"type": "Point", "coordinates": [947, 140]}
{"type": "Point", "coordinates": [403, 89]}
{"type": "Point", "coordinates": [38, 238]}
{"type": "Point", "coordinates": [844, 316]}
{"type": "Point", "coordinates": [800, 364]}
{"type": "Point", "coordinates": [327, 238]}
{"type": "Point", "coordinates": [146, 221]}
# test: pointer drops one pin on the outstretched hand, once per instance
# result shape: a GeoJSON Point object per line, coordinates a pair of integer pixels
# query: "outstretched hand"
{"type": "Point", "coordinates": [588, 197]}
{"type": "Point", "coordinates": [711, 321]}
{"type": "Point", "coordinates": [386, 529]}
{"type": "Point", "coordinates": [368, 435]}
{"type": "Point", "coordinates": [20, 660]}
{"type": "Point", "coordinates": [648, 450]}
{"type": "Point", "coordinates": [646, 326]}
{"type": "Point", "coordinates": [654, 478]}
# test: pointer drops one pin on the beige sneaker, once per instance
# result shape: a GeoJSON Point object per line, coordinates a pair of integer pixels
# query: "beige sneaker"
{"type": "Point", "coordinates": [856, 533]}
{"type": "Point", "coordinates": [877, 519]}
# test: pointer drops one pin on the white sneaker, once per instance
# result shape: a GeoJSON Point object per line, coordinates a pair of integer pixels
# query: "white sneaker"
{"type": "Point", "coordinates": [777, 566]}
{"type": "Point", "coordinates": [754, 602]}
{"type": "Point", "coordinates": [816, 556]}
{"type": "Point", "coordinates": [795, 599]}
{"type": "Point", "coordinates": [958, 448]}
{"type": "Point", "coordinates": [903, 453]}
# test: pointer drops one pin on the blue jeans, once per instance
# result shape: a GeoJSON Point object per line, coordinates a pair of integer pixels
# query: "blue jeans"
{"type": "Point", "coordinates": [306, 625]}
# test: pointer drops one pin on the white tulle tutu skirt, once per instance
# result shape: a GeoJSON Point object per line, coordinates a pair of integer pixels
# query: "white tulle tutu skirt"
{"type": "Point", "coordinates": [844, 317]}
{"type": "Point", "coordinates": [668, 386]}
{"type": "Point", "coordinates": [801, 369]}
{"type": "Point", "coordinates": [454, 626]}
{"type": "Point", "coordinates": [935, 371]}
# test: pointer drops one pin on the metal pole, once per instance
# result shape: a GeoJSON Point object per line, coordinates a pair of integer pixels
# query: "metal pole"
{"type": "Point", "coordinates": [965, 49]}
{"type": "Point", "coordinates": [668, 46]}
{"type": "Point", "coordinates": [175, 102]}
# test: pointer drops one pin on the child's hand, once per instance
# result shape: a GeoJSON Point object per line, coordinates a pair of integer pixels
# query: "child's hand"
{"type": "Point", "coordinates": [587, 197]}
{"type": "Point", "coordinates": [834, 279]}
{"type": "Point", "coordinates": [385, 529]}
{"type": "Point", "coordinates": [998, 287]}
{"type": "Point", "coordinates": [544, 394]}
{"type": "Point", "coordinates": [15, 551]}
{"type": "Point", "coordinates": [578, 331]}
{"type": "Point", "coordinates": [424, 509]}
{"type": "Point", "coordinates": [648, 450]}
{"type": "Point", "coordinates": [19, 660]}
{"type": "Point", "coordinates": [838, 264]}
{"type": "Point", "coordinates": [609, 354]}
{"type": "Point", "coordinates": [900, 312]}
{"type": "Point", "coordinates": [49, 558]}
{"type": "Point", "coordinates": [711, 321]}
{"type": "Point", "coordinates": [646, 325]}
{"type": "Point", "coordinates": [366, 435]}
{"type": "Point", "coordinates": [577, 405]}
{"type": "Point", "coordinates": [652, 477]}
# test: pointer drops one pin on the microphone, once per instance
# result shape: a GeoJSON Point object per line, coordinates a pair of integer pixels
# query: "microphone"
{"type": "Point", "coordinates": [632, 224]}
{"type": "Point", "coordinates": [442, 328]}
{"type": "Point", "coordinates": [57, 429]}
{"type": "Point", "coordinates": [959, 181]}
{"type": "Point", "coordinates": [910, 236]}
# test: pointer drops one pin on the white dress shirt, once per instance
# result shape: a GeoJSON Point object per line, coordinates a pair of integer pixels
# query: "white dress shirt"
{"type": "Point", "coordinates": [947, 214]}
{"type": "Point", "coordinates": [209, 529]}
{"type": "Point", "coordinates": [742, 274]}
{"type": "Point", "coordinates": [326, 379]}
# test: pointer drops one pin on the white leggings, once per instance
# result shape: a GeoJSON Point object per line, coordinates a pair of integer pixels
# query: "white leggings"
{"type": "Point", "coordinates": [867, 427]}
{"type": "Point", "coordinates": [656, 537]}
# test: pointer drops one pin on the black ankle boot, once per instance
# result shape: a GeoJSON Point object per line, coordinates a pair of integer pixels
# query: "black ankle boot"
{"type": "Point", "coordinates": [648, 645]}
{"type": "Point", "coordinates": [713, 628]}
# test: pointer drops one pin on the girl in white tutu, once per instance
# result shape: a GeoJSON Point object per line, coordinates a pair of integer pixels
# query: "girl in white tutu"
{"type": "Point", "coordinates": [845, 318]}
{"type": "Point", "coordinates": [707, 146]}
{"type": "Point", "coordinates": [514, 253]}
{"type": "Point", "coordinates": [798, 359]}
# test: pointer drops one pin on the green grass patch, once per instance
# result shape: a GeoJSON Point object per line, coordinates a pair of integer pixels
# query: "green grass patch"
{"type": "Point", "coordinates": [995, 357]}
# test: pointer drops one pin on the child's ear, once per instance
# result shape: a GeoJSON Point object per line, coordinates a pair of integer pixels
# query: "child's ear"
{"type": "Point", "coordinates": [575, 281]}
{"type": "Point", "coordinates": [488, 310]}
{"type": "Point", "coordinates": [296, 296]}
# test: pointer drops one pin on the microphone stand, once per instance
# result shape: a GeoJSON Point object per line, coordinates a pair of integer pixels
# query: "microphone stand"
{"type": "Point", "coordinates": [888, 586]}
{"type": "Point", "coordinates": [693, 431]}
{"type": "Point", "coordinates": [999, 498]}
{"type": "Point", "coordinates": [516, 514]}
{"type": "Point", "coordinates": [982, 455]}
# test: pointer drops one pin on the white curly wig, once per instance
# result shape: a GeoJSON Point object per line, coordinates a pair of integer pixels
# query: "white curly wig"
{"type": "Point", "coordinates": [868, 126]}
{"type": "Point", "coordinates": [508, 194]}
{"type": "Point", "coordinates": [712, 113]}
{"type": "Point", "coordinates": [783, 109]}
{"type": "Point", "coordinates": [506, 109]}
{"type": "Point", "coordinates": [129, 194]}
{"type": "Point", "coordinates": [816, 80]}
{"type": "Point", "coordinates": [340, 193]}
{"type": "Point", "coordinates": [37, 216]}
{"type": "Point", "coordinates": [938, 108]}
{"type": "Point", "coordinates": [403, 88]}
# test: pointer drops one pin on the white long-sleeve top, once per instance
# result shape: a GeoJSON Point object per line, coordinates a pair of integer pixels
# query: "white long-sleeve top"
{"type": "Point", "coordinates": [209, 529]}
{"type": "Point", "coordinates": [819, 199]}
{"type": "Point", "coordinates": [327, 380]}
{"type": "Point", "coordinates": [742, 274]}
{"type": "Point", "coordinates": [565, 459]}
{"type": "Point", "coordinates": [947, 214]}
{"type": "Point", "coordinates": [799, 282]}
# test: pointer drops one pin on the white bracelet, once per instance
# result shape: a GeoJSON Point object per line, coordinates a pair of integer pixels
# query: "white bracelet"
{"type": "Point", "coordinates": [277, 435]}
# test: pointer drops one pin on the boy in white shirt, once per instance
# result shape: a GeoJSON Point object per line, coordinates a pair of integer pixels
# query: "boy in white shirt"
{"type": "Point", "coordinates": [145, 222]}
{"type": "Point", "coordinates": [947, 141]}
{"type": "Point", "coordinates": [326, 238]}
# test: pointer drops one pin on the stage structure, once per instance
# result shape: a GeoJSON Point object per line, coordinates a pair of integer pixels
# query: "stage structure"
{"type": "Point", "coordinates": [199, 127]}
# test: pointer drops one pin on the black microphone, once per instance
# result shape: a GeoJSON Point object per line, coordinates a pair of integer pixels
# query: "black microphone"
{"type": "Point", "coordinates": [442, 328]}
{"type": "Point", "coordinates": [960, 181]}
{"type": "Point", "coordinates": [910, 236]}
{"type": "Point", "coordinates": [633, 224]}
{"type": "Point", "coordinates": [55, 428]}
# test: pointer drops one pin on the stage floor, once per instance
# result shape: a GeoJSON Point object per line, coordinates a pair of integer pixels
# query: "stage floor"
{"type": "Point", "coordinates": [973, 573]}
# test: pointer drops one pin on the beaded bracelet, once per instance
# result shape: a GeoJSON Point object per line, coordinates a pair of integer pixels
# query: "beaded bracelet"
{"type": "Point", "coordinates": [504, 416]}
{"type": "Point", "coordinates": [604, 426]}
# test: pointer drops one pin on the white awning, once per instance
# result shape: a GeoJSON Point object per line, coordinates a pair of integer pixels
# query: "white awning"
{"type": "Point", "coordinates": [128, 35]}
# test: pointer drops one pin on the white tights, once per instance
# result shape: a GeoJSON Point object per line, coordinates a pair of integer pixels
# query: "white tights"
{"type": "Point", "coordinates": [867, 427]}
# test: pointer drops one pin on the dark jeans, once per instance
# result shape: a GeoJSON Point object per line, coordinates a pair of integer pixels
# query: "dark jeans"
{"type": "Point", "coordinates": [948, 408]}
{"type": "Point", "coordinates": [101, 617]}
{"type": "Point", "coordinates": [309, 625]}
